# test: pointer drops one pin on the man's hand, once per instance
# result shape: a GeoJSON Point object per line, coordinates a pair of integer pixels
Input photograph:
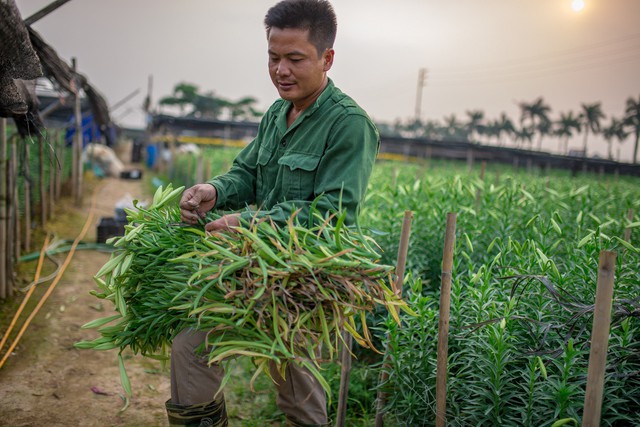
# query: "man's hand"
{"type": "Point", "coordinates": [196, 202]}
{"type": "Point", "coordinates": [224, 223]}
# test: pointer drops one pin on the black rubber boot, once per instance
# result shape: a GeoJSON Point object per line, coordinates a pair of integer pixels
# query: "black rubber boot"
{"type": "Point", "coordinates": [211, 414]}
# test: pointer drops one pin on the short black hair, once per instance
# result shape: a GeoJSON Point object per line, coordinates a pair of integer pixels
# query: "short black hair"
{"type": "Point", "coordinates": [317, 16]}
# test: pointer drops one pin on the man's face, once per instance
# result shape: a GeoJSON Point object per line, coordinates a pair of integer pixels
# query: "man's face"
{"type": "Point", "coordinates": [296, 69]}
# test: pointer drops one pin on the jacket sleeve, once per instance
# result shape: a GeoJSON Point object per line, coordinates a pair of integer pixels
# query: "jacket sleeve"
{"type": "Point", "coordinates": [236, 189]}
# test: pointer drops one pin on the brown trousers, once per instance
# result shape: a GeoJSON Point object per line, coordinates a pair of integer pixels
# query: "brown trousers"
{"type": "Point", "coordinates": [193, 381]}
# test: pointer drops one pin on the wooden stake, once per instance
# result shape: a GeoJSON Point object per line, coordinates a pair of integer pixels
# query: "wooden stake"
{"type": "Point", "coordinates": [43, 192]}
{"type": "Point", "coordinates": [397, 289]}
{"type": "Point", "coordinates": [599, 340]}
{"type": "Point", "coordinates": [483, 168]}
{"type": "Point", "coordinates": [345, 373]}
{"type": "Point", "coordinates": [627, 231]}
{"type": "Point", "coordinates": [52, 187]}
{"type": "Point", "coordinates": [4, 292]}
{"type": "Point", "coordinates": [77, 142]}
{"type": "Point", "coordinates": [16, 198]}
{"type": "Point", "coordinates": [200, 169]}
{"type": "Point", "coordinates": [443, 322]}
{"type": "Point", "coordinates": [208, 170]}
{"type": "Point", "coordinates": [60, 153]}
{"type": "Point", "coordinates": [11, 219]}
{"type": "Point", "coordinates": [27, 197]}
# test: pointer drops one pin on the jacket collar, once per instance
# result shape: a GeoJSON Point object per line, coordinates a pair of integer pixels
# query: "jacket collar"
{"type": "Point", "coordinates": [281, 114]}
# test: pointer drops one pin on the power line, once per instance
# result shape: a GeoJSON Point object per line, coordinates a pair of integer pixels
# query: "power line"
{"type": "Point", "coordinates": [524, 61]}
{"type": "Point", "coordinates": [541, 71]}
{"type": "Point", "coordinates": [586, 56]}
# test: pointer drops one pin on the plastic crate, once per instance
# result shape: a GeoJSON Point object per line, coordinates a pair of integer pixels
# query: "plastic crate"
{"type": "Point", "coordinates": [110, 227]}
{"type": "Point", "coordinates": [131, 174]}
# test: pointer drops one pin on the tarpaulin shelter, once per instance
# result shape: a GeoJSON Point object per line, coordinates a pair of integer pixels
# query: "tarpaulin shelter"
{"type": "Point", "coordinates": [24, 55]}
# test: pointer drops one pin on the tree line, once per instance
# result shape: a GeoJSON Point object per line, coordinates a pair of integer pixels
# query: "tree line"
{"type": "Point", "coordinates": [534, 124]}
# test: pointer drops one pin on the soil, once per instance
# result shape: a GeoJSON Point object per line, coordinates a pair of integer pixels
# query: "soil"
{"type": "Point", "coordinates": [48, 382]}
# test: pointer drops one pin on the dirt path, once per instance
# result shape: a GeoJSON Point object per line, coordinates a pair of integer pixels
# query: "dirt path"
{"type": "Point", "coordinates": [46, 381]}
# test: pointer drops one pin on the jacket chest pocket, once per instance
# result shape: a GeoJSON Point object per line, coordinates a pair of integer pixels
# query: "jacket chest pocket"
{"type": "Point", "coordinates": [264, 178]}
{"type": "Point", "coordinates": [299, 174]}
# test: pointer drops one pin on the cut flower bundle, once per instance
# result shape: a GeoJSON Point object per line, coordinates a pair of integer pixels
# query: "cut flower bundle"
{"type": "Point", "coordinates": [278, 294]}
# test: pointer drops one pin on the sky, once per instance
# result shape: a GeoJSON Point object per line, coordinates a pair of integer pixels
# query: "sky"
{"type": "Point", "coordinates": [487, 55]}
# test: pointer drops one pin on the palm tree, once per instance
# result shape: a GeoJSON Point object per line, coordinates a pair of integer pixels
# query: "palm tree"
{"type": "Point", "coordinates": [632, 120]}
{"type": "Point", "coordinates": [537, 116]}
{"type": "Point", "coordinates": [615, 130]}
{"type": "Point", "coordinates": [474, 126]}
{"type": "Point", "coordinates": [565, 126]}
{"type": "Point", "coordinates": [454, 129]}
{"type": "Point", "coordinates": [544, 127]}
{"type": "Point", "coordinates": [492, 129]}
{"type": "Point", "coordinates": [505, 126]}
{"type": "Point", "coordinates": [590, 118]}
{"type": "Point", "coordinates": [431, 129]}
{"type": "Point", "coordinates": [413, 128]}
{"type": "Point", "coordinates": [525, 135]}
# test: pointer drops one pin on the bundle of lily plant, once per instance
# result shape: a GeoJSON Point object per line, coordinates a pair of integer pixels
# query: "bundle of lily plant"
{"type": "Point", "coordinates": [280, 294]}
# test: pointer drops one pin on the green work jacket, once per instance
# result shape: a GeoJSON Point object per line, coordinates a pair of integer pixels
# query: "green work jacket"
{"type": "Point", "coordinates": [329, 151]}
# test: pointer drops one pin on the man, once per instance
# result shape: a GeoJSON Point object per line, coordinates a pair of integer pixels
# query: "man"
{"type": "Point", "coordinates": [313, 142]}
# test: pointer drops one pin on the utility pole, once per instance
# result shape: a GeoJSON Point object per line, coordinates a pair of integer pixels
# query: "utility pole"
{"type": "Point", "coordinates": [422, 82]}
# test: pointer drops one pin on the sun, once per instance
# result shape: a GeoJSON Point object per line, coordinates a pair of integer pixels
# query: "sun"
{"type": "Point", "coordinates": [577, 5]}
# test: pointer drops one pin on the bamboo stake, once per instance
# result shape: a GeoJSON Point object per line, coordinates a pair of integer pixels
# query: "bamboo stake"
{"type": "Point", "coordinates": [52, 191]}
{"type": "Point", "coordinates": [27, 198]}
{"type": "Point", "coordinates": [208, 171]}
{"type": "Point", "coordinates": [443, 322]}
{"type": "Point", "coordinates": [199, 169]}
{"type": "Point", "coordinates": [4, 292]}
{"type": "Point", "coordinates": [77, 141]}
{"type": "Point", "coordinates": [11, 220]}
{"type": "Point", "coordinates": [627, 230]}
{"type": "Point", "coordinates": [397, 289]}
{"type": "Point", "coordinates": [74, 163]}
{"type": "Point", "coordinates": [41, 177]}
{"type": "Point", "coordinates": [345, 373]}
{"type": "Point", "coordinates": [483, 167]}
{"type": "Point", "coordinates": [51, 177]}
{"type": "Point", "coordinates": [599, 340]}
{"type": "Point", "coordinates": [61, 153]}
{"type": "Point", "coordinates": [16, 198]}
